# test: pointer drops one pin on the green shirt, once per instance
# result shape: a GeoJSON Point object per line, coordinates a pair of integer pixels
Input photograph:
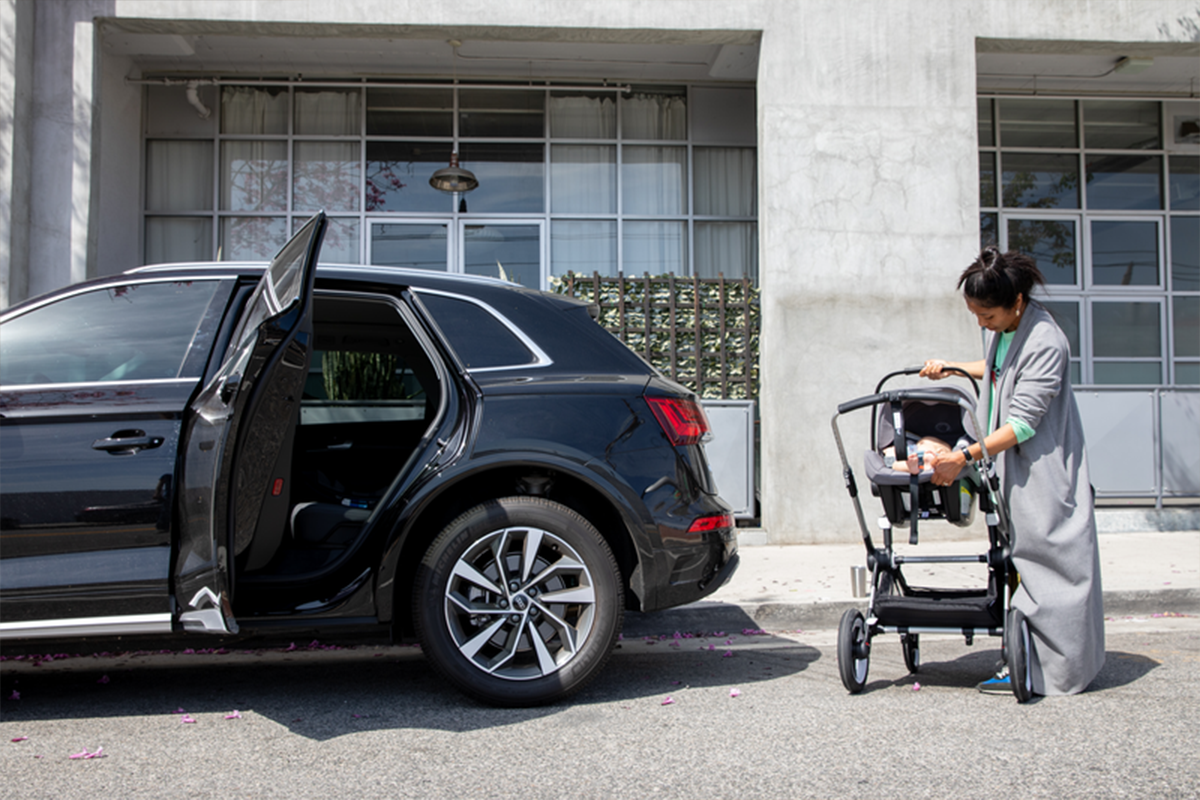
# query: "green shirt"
{"type": "Point", "coordinates": [1020, 427]}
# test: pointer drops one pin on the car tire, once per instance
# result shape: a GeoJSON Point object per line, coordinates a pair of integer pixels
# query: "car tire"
{"type": "Point", "coordinates": [854, 651]}
{"type": "Point", "coordinates": [519, 602]}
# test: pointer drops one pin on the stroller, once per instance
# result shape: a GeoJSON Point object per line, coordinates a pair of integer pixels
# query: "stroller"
{"type": "Point", "coordinates": [899, 418]}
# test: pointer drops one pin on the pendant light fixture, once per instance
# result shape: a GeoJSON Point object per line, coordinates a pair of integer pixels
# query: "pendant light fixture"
{"type": "Point", "coordinates": [453, 178]}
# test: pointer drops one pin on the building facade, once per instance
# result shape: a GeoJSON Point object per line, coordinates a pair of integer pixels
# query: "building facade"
{"type": "Point", "coordinates": [850, 162]}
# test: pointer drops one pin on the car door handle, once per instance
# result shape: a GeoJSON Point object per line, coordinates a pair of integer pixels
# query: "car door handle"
{"type": "Point", "coordinates": [124, 443]}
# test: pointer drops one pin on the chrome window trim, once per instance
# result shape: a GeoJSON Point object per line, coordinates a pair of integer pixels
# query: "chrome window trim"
{"type": "Point", "coordinates": [127, 625]}
{"type": "Point", "coordinates": [43, 387]}
{"type": "Point", "coordinates": [539, 355]}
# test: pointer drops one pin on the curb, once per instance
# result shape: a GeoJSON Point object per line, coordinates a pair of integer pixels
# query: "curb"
{"type": "Point", "coordinates": [707, 616]}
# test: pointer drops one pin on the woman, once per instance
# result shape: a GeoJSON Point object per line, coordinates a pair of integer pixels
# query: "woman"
{"type": "Point", "coordinates": [1034, 426]}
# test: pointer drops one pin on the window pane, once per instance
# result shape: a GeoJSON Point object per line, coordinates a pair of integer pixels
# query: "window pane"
{"type": "Point", "coordinates": [1040, 181]}
{"type": "Point", "coordinates": [654, 180]}
{"type": "Point", "coordinates": [1121, 124]}
{"type": "Point", "coordinates": [174, 239]}
{"type": "Point", "coordinates": [579, 115]}
{"type": "Point", "coordinates": [1186, 322]}
{"type": "Point", "coordinates": [583, 179]}
{"type": "Point", "coordinates": [1185, 253]}
{"type": "Point", "coordinates": [327, 112]}
{"type": "Point", "coordinates": [128, 333]}
{"type": "Point", "coordinates": [248, 110]}
{"type": "Point", "coordinates": [410, 112]}
{"type": "Point", "coordinates": [583, 247]}
{"type": "Point", "coordinates": [509, 252]}
{"type": "Point", "coordinates": [483, 112]}
{"type": "Point", "coordinates": [1185, 183]}
{"type": "Point", "coordinates": [1124, 182]}
{"type": "Point", "coordinates": [252, 238]}
{"type": "Point", "coordinates": [398, 176]}
{"type": "Point", "coordinates": [511, 177]}
{"type": "Point", "coordinates": [340, 245]}
{"type": "Point", "coordinates": [987, 129]}
{"type": "Point", "coordinates": [647, 115]}
{"type": "Point", "coordinates": [1126, 330]}
{"type": "Point", "coordinates": [1052, 245]}
{"type": "Point", "coordinates": [179, 176]}
{"type": "Point", "coordinates": [1187, 373]}
{"type": "Point", "coordinates": [987, 180]}
{"type": "Point", "coordinates": [412, 246]}
{"type": "Point", "coordinates": [479, 339]}
{"type": "Point", "coordinates": [254, 176]}
{"type": "Point", "coordinates": [1037, 123]}
{"type": "Point", "coordinates": [1066, 314]}
{"type": "Point", "coordinates": [725, 181]}
{"type": "Point", "coordinates": [326, 176]}
{"type": "Point", "coordinates": [655, 248]}
{"type": "Point", "coordinates": [988, 235]}
{"type": "Point", "coordinates": [1124, 253]}
{"type": "Point", "coordinates": [728, 248]}
{"type": "Point", "coordinates": [1127, 372]}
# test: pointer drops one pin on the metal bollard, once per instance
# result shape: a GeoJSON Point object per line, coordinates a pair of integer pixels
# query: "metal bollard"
{"type": "Point", "coordinates": [858, 581]}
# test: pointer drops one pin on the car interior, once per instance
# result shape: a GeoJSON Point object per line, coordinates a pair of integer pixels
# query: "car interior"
{"type": "Point", "coordinates": [370, 395]}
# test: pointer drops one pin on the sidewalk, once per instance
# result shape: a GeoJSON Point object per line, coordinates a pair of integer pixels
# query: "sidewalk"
{"type": "Point", "coordinates": [808, 586]}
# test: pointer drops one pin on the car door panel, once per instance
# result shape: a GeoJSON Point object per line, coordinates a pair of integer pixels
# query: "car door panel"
{"type": "Point", "coordinates": [239, 426]}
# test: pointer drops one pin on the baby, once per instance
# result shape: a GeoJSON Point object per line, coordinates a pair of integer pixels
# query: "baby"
{"type": "Point", "coordinates": [918, 455]}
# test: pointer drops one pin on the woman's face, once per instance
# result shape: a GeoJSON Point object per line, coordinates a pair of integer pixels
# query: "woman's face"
{"type": "Point", "coordinates": [997, 318]}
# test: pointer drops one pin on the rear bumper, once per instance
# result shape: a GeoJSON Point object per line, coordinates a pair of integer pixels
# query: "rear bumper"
{"type": "Point", "coordinates": [683, 574]}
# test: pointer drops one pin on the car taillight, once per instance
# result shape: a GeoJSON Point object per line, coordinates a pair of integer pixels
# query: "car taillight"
{"type": "Point", "coordinates": [713, 522]}
{"type": "Point", "coordinates": [682, 419]}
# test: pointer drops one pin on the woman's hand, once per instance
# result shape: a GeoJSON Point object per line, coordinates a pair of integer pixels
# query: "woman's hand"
{"type": "Point", "coordinates": [946, 466]}
{"type": "Point", "coordinates": [934, 369]}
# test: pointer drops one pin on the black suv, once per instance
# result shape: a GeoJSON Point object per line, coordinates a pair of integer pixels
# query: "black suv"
{"type": "Point", "coordinates": [213, 450]}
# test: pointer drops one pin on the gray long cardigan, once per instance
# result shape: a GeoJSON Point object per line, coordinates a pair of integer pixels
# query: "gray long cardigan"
{"type": "Point", "coordinates": [1049, 492]}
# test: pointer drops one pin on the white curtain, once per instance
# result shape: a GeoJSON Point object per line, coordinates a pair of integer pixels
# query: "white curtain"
{"type": "Point", "coordinates": [654, 247]}
{"type": "Point", "coordinates": [326, 176]}
{"type": "Point", "coordinates": [179, 176]}
{"type": "Point", "coordinates": [583, 246]}
{"type": "Point", "coordinates": [654, 116]}
{"type": "Point", "coordinates": [654, 180]}
{"type": "Point", "coordinates": [725, 181]}
{"type": "Point", "coordinates": [727, 248]}
{"type": "Point", "coordinates": [583, 117]}
{"type": "Point", "coordinates": [174, 239]}
{"type": "Point", "coordinates": [248, 110]}
{"type": "Point", "coordinates": [583, 179]}
{"type": "Point", "coordinates": [253, 176]}
{"type": "Point", "coordinates": [327, 112]}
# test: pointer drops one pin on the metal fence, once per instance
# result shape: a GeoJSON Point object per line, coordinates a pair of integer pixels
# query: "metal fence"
{"type": "Point", "coordinates": [700, 332]}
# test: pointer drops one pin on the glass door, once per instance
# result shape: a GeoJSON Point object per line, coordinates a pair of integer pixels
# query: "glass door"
{"type": "Point", "coordinates": [510, 250]}
{"type": "Point", "coordinates": [416, 245]}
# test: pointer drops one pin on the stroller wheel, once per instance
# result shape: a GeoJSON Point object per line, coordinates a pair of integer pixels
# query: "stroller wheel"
{"type": "Point", "coordinates": [854, 651]}
{"type": "Point", "coordinates": [1017, 644]}
{"type": "Point", "coordinates": [911, 644]}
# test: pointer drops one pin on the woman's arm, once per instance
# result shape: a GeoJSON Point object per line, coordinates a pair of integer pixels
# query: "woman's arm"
{"type": "Point", "coordinates": [947, 467]}
{"type": "Point", "coordinates": [935, 369]}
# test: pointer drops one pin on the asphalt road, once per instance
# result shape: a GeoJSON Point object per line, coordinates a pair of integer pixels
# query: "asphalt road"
{"type": "Point", "coordinates": [741, 715]}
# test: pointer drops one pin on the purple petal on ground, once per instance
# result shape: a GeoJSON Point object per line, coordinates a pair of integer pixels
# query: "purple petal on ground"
{"type": "Point", "coordinates": [668, 702]}
{"type": "Point", "coordinates": [103, 679]}
{"type": "Point", "coordinates": [916, 686]}
{"type": "Point", "coordinates": [727, 654]}
{"type": "Point", "coordinates": [21, 739]}
{"type": "Point", "coordinates": [187, 720]}
{"type": "Point", "coordinates": [15, 695]}
{"type": "Point", "coordinates": [735, 693]}
{"type": "Point", "coordinates": [233, 715]}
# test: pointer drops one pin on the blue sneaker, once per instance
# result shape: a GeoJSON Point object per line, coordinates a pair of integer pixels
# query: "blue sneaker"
{"type": "Point", "coordinates": [998, 684]}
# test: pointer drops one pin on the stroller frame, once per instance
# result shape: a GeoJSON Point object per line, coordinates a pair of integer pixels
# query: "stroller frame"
{"type": "Point", "coordinates": [893, 606]}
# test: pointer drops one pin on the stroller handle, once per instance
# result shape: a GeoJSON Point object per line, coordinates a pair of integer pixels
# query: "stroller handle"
{"type": "Point", "coordinates": [917, 369]}
{"type": "Point", "coordinates": [934, 395]}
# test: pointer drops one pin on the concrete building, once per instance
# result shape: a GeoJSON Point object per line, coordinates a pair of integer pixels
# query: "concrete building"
{"type": "Point", "coordinates": [850, 158]}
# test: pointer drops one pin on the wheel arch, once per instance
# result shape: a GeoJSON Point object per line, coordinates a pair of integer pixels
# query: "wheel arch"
{"type": "Point", "coordinates": [597, 503]}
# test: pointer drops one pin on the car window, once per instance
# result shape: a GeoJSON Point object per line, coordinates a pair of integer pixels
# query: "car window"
{"type": "Point", "coordinates": [130, 332]}
{"type": "Point", "coordinates": [479, 338]}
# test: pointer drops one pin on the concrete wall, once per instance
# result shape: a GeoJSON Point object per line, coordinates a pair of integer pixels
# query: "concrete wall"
{"type": "Point", "coordinates": [868, 173]}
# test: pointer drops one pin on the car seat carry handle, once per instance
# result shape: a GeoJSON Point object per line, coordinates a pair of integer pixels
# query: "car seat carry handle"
{"type": "Point", "coordinates": [917, 370]}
